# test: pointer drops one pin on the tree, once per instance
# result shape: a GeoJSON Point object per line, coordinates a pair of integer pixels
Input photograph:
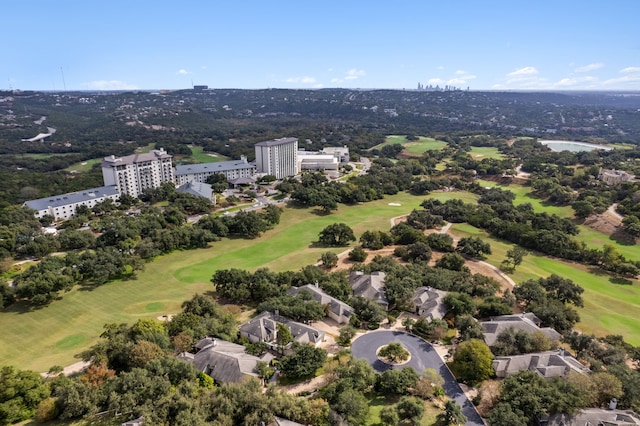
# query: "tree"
{"type": "Point", "coordinates": [452, 415]}
{"type": "Point", "coordinates": [472, 362]}
{"type": "Point", "coordinates": [20, 394]}
{"type": "Point", "coordinates": [389, 416]}
{"type": "Point", "coordinates": [397, 382]}
{"type": "Point", "coordinates": [451, 261]}
{"type": "Point", "coordinates": [459, 303]}
{"type": "Point", "coordinates": [394, 352]}
{"type": "Point", "coordinates": [346, 334]}
{"type": "Point", "coordinates": [283, 336]}
{"type": "Point", "coordinates": [514, 258]}
{"type": "Point", "coordinates": [468, 327]}
{"type": "Point", "coordinates": [337, 234]}
{"type": "Point", "coordinates": [411, 408]}
{"type": "Point", "coordinates": [473, 247]}
{"type": "Point", "coordinates": [303, 362]}
{"type": "Point", "coordinates": [357, 255]}
{"type": "Point", "coordinates": [329, 259]}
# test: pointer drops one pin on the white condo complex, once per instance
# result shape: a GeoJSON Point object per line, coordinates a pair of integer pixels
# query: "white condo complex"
{"type": "Point", "coordinates": [277, 157]}
{"type": "Point", "coordinates": [135, 173]}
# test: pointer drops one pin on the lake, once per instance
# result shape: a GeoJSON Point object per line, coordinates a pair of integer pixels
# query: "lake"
{"type": "Point", "coordinates": [573, 146]}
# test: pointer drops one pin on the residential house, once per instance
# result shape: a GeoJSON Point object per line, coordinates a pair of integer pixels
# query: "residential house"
{"type": "Point", "coordinates": [429, 303]}
{"type": "Point", "coordinates": [264, 328]}
{"type": "Point", "coordinates": [336, 309]}
{"type": "Point", "coordinates": [198, 189]}
{"type": "Point", "coordinates": [527, 322]}
{"type": "Point", "coordinates": [135, 422]}
{"type": "Point", "coordinates": [224, 361]}
{"type": "Point", "coordinates": [369, 286]}
{"type": "Point", "coordinates": [594, 417]}
{"type": "Point", "coordinates": [546, 364]}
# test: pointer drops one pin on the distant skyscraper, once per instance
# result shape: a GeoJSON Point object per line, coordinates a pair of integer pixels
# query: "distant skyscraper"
{"type": "Point", "coordinates": [278, 157]}
{"type": "Point", "coordinates": [135, 173]}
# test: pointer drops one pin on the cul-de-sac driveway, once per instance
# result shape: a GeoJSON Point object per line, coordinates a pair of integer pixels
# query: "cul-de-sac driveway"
{"type": "Point", "coordinates": [422, 356]}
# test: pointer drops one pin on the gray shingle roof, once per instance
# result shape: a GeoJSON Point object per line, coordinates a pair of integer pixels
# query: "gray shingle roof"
{"type": "Point", "coordinates": [523, 322]}
{"type": "Point", "coordinates": [224, 361]}
{"type": "Point", "coordinates": [198, 189]}
{"type": "Point", "coordinates": [369, 286]}
{"type": "Point", "coordinates": [154, 155]}
{"type": "Point", "coordinates": [547, 364]}
{"type": "Point", "coordinates": [264, 328]}
{"type": "Point", "coordinates": [336, 306]}
{"type": "Point", "coordinates": [221, 166]}
{"type": "Point", "coordinates": [71, 198]}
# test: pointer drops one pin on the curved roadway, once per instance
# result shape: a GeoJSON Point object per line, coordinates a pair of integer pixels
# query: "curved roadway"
{"type": "Point", "coordinates": [422, 356]}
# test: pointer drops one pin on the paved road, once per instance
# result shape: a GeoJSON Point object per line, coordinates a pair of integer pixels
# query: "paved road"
{"type": "Point", "coordinates": [422, 356]}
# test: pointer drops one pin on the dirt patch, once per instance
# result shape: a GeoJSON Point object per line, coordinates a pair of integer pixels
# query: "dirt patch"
{"type": "Point", "coordinates": [610, 223]}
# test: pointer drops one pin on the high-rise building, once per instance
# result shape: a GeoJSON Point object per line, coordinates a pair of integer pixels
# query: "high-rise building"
{"type": "Point", "coordinates": [135, 173]}
{"type": "Point", "coordinates": [277, 157]}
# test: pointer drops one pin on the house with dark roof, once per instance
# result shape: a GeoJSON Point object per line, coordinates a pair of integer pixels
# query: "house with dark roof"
{"type": "Point", "coordinates": [198, 189]}
{"type": "Point", "coordinates": [594, 417]}
{"type": "Point", "coordinates": [264, 328]}
{"type": "Point", "coordinates": [64, 206]}
{"type": "Point", "coordinates": [547, 364]}
{"type": "Point", "coordinates": [337, 310]}
{"type": "Point", "coordinates": [369, 286]}
{"type": "Point", "coordinates": [224, 361]}
{"type": "Point", "coordinates": [429, 303]}
{"type": "Point", "coordinates": [526, 322]}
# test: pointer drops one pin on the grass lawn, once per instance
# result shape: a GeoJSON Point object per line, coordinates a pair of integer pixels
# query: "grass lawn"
{"type": "Point", "coordinates": [480, 152]}
{"type": "Point", "coordinates": [609, 307]}
{"type": "Point", "coordinates": [199, 156]}
{"type": "Point", "coordinates": [590, 236]}
{"type": "Point", "coordinates": [83, 166]}
{"type": "Point", "coordinates": [377, 403]}
{"type": "Point", "coordinates": [417, 148]}
{"type": "Point", "coordinates": [39, 339]}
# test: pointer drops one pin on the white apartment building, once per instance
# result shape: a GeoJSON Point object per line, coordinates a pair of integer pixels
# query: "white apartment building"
{"type": "Point", "coordinates": [64, 206]}
{"type": "Point", "coordinates": [200, 172]}
{"type": "Point", "coordinates": [278, 157]}
{"type": "Point", "coordinates": [135, 173]}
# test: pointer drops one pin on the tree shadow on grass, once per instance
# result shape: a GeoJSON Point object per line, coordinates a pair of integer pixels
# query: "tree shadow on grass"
{"type": "Point", "coordinates": [620, 280]}
{"type": "Point", "coordinates": [622, 238]}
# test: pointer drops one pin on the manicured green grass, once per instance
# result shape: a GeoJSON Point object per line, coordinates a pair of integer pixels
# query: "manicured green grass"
{"type": "Point", "coordinates": [199, 156]}
{"type": "Point", "coordinates": [481, 152]}
{"type": "Point", "coordinates": [609, 307]}
{"type": "Point", "coordinates": [418, 147]}
{"type": "Point", "coordinates": [591, 237]}
{"type": "Point", "coordinates": [41, 338]}
{"type": "Point", "coordinates": [83, 166]}
{"type": "Point", "coordinates": [377, 403]}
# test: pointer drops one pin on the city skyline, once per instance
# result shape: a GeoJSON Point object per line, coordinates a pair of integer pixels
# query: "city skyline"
{"type": "Point", "coordinates": [491, 45]}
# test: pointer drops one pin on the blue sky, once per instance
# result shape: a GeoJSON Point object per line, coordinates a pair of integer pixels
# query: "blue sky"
{"type": "Point", "coordinates": [480, 44]}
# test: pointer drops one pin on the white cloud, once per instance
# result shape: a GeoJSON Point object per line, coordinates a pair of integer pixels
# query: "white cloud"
{"type": "Point", "coordinates": [109, 85]}
{"type": "Point", "coordinates": [304, 80]}
{"type": "Point", "coordinates": [574, 81]}
{"type": "Point", "coordinates": [460, 72]}
{"type": "Point", "coordinates": [183, 72]}
{"type": "Point", "coordinates": [590, 67]}
{"type": "Point", "coordinates": [631, 78]}
{"type": "Point", "coordinates": [630, 69]}
{"type": "Point", "coordinates": [435, 81]}
{"type": "Point", "coordinates": [354, 74]}
{"type": "Point", "coordinates": [440, 68]}
{"type": "Point", "coordinates": [526, 71]}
